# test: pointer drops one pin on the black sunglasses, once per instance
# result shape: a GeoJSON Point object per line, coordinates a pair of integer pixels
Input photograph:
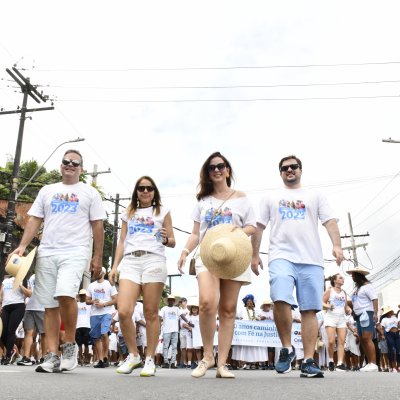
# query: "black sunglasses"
{"type": "Point", "coordinates": [68, 161]}
{"type": "Point", "coordinates": [220, 167]}
{"type": "Point", "coordinates": [141, 189]}
{"type": "Point", "coordinates": [293, 167]}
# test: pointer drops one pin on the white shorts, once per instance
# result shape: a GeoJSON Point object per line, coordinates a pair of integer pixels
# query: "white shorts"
{"type": "Point", "coordinates": [183, 337]}
{"type": "Point", "coordinates": [58, 275]}
{"type": "Point", "coordinates": [149, 268]}
{"type": "Point", "coordinates": [335, 320]}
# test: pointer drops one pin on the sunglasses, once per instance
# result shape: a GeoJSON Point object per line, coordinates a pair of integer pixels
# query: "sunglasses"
{"type": "Point", "coordinates": [68, 161]}
{"type": "Point", "coordinates": [141, 189]}
{"type": "Point", "coordinates": [293, 167]}
{"type": "Point", "coordinates": [220, 167]}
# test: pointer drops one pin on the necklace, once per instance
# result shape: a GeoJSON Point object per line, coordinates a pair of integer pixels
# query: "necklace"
{"type": "Point", "coordinates": [251, 311]}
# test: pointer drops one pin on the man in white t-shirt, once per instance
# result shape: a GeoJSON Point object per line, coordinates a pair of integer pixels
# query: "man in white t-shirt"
{"type": "Point", "coordinates": [102, 296]}
{"type": "Point", "coordinates": [71, 212]}
{"type": "Point", "coordinates": [82, 336]}
{"type": "Point", "coordinates": [183, 332]}
{"type": "Point", "coordinates": [170, 318]}
{"type": "Point", "coordinates": [295, 259]}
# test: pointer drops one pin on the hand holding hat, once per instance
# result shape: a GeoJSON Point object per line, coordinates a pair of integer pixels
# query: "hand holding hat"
{"type": "Point", "coordinates": [226, 251]}
{"type": "Point", "coordinates": [18, 266]}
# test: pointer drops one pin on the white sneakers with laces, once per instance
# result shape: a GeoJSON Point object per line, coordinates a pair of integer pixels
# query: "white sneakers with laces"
{"type": "Point", "coordinates": [149, 368]}
{"type": "Point", "coordinates": [69, 359]}
{"type": "Point", "coordinates": [131, 362]}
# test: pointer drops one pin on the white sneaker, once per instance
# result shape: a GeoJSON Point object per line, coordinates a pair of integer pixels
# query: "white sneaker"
{"type": "Point", "coordinates": [371, 367]}
{"type": "Point", "coordinates": [69, 359]}
{"type": "Point", "coordinates": [131, 362]}
{"type": "Point", "coordinates": [149, 368]}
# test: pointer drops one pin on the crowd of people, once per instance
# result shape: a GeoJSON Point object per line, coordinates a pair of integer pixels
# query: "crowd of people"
{"type": "Point", "coordinates": [118, 320]}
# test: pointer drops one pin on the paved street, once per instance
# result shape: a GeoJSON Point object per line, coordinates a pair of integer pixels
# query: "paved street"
{"type": "Point", "coordinates": [89, 383]}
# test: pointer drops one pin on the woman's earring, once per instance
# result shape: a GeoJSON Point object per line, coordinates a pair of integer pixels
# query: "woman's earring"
{"type": "Point", "coordinates": [154, 202]}
{"type": "Point", "coordinates": [137, 203]}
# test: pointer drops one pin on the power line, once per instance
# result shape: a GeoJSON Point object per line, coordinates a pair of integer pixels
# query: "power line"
{"type": "Point", "coordinates": [216, 68]}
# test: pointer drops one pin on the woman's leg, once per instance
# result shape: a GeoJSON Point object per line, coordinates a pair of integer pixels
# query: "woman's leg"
{"type": "Point", "coordinates": [128, 293]}
{"type": "Point", "coordinates": [368, 346]}
{"type": "Point", "coordinates": [151, 299]}
{"type": "Point", "coordinates": [208, 297]}
{"type": "Point", "coordinates": [227, 311]}
{"type": "Point", "coordinates": [331, 333]}
{"type": "Point", "coordinates": [341, 337]}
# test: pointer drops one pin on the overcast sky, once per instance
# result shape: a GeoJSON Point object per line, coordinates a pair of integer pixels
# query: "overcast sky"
{"type": "Point", "coordinates": [155, 87]}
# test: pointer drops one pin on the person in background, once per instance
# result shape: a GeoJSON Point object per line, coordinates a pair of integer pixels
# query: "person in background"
{"type": "Point", "coordinates": [335, 303]}
{"type": "Point", "coordinates": [217, 203]}
{"type": "Point", "coordinates": [364, 302]}
{"type": "Point", "coordinates": [82, 335]}
{"type": "Point", "coordinates": [140, 260]}
{"type": "Point", "coordinates": [295, 259]}
{"type": "Point", "coordinates": [102, 296]}
{"type": "Point", "coordinates": [267, 314]}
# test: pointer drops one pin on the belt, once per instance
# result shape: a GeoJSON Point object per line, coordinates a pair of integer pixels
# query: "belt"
{"type": "Point", "coordinates": [138, 253]}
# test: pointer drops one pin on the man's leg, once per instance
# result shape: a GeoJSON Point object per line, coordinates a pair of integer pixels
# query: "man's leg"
{"type": "Point", "coordinates": [52, 323]}
{"type": "Point", "coordinates": [309, 332]}
{"type": "Point", "coordinates": [283, 322]}
{"type": "Point", "coordinates": [69, 315]}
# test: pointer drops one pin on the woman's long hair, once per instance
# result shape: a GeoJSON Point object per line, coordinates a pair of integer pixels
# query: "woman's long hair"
{"type": "Point", "coordinates": [359, 280]}
{"type": "Point", "coordinates": [205, 186]}
{"type": "Point", "coordinates": [135, 204]}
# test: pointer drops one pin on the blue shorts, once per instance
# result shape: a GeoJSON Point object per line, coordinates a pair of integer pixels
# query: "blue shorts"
{"type": "Point", "coordinates": [99, 325]}
{"type": "Point", "coordinates": [308, 280]}
{"type": "Point", "coordinates": [369, 328]}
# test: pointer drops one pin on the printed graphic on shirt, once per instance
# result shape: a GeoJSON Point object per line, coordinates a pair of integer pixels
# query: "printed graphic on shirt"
{"type": "Point", "coordinates": [339, 300]}
{"type": "Point", "coordinates": [64, 203]}
{"type": "Point", "coordinates": [292, 209]}
{"type": "Point", "coordinates": [99, 294]}
{"type": "Point", "coordinates": [8, 285]}
{"type": "Point", "coordinates": [82, 310]}
{"type": "Point", "coordinates": [142, 224]}
{"type": "Point", "coordinates": [214, 216]}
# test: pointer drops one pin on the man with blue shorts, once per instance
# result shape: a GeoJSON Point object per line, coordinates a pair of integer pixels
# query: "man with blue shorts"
{"type": "Point", "coordinates": [71, 212]}
{"type": "Point", "coordinates": [295, 260]}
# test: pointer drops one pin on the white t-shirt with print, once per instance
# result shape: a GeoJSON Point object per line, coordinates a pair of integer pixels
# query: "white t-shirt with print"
{"type": "Point", "coordinates": [170, 316]}
{"type": "Point", "coordinates": [102, 291]}
{"type": "Point", "coordinates": [67, 211]}
{"type": "Point", "coordinates": [83, 315]}
{"type": "Point", "coordinates": [185, 313]}
{"type": "Point", "coordinates": [293, 215]}
{"type": "Point", "coordinates": [269, 315]}
{"type": "Point", "coordinates": [141, 230]}
{"type": "Point", "coordinates": [339, 302]}
{"type": "Point", "coordinates": [237, 211]}
{"type": "Point", "coordinates": [32, 303]}
{"type": "Point", "coordinates": [389, 323]}
{"type": "Point", "coordinates": [362, 299]}
{"type": "Point", "coordinates": [9, 295]}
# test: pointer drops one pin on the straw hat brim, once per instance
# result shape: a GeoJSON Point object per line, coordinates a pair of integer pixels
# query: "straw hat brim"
{"type": "Point", "coordinates": [226, 251]}
{"type": "Point", "coordinates": [386, 310]}
{"type": "Point", "coordinates": [23, 269]}
{"type": "Point", "coordinates": [361, 271]}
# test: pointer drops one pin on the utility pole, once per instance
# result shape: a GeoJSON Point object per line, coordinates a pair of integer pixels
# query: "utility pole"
{"type": "Point", "coordinates": [96, 173]}
{"type": "Point", "coordinates": [28, 90]}
{"type": "Point", "coordinates": [353, 246]}
{"type": "Point", "coordinates": [115, 226]}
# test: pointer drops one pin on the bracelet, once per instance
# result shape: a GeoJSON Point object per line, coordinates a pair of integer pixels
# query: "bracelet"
{"type": "Point", "coordinates": [166, 241]}
{"type": "Point", "coordinates": [186, 250]}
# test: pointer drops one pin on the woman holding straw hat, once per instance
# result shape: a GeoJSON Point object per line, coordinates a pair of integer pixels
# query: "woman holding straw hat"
{"type": "Point", "coordinates": [217, 204]}
{"type": "Point", "coordinates": [365, 306]}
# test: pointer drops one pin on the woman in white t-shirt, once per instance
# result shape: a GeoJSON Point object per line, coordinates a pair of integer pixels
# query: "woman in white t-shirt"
{"type": "Point", "coordinates": [335, 303]}
{"type": "Point", "coordinates": [141, 263]}
{"type": "Point", "coordinates": [389, 326]}
{"type": "Point", "coordinates": [365, 306]}
{"type": "Point", "coordinates": [217, 203]}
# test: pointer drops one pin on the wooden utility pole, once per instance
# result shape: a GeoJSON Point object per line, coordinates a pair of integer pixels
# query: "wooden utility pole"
{"type": "Point", "coordinates": [27, 89]}
{"type": "Point", "coordinates": [354, 246]}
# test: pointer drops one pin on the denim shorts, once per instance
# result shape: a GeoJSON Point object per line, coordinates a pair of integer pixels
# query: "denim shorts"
{"type": "Point", "coordinates": [58, 275]}
{"type": "Point", "coordinates": [369, 328]}
{"type": "Point", "coordinates": [99, 325]}
{"type": "Point", "coordinates": [149, 268]}
{"type": "Point", "coordinates": [285, 276]}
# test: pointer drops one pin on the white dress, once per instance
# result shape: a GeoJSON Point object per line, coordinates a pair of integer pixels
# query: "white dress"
{"type": "Point", "coordinates": [249, 353]}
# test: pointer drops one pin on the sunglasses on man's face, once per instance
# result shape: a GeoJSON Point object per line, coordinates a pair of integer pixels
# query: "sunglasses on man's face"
{"type": "Point", "coordinates": [68, 161]}
{"type": "Point", "coordinates": [220, 167]}
{"type": "Point", "coordinates": [141, 189]}
{"type": "Point", "coordinates": [293, 167]}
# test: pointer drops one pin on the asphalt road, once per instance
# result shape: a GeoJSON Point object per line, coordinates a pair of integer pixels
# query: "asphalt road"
{"type": "Point", "coordinates": [88, 383]}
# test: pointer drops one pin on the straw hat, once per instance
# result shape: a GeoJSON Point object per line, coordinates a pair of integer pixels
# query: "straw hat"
{"type": "Point", "coordinates": [194, 301]}
{"type": "Point", "coordinates": [171, 296]}
{"type": "Point", "coordinates": [18, 267]}
{"type": "Point", "coordinates": [82, 291]}
{"type": "Point", "coordinates": [359, 270]}
{"type": "Point", "coordinates": [266, 302]}
{"type": "Point", "coordinates": [226, 251]}
{"type": "Point", "coordinates": [386, 310]}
